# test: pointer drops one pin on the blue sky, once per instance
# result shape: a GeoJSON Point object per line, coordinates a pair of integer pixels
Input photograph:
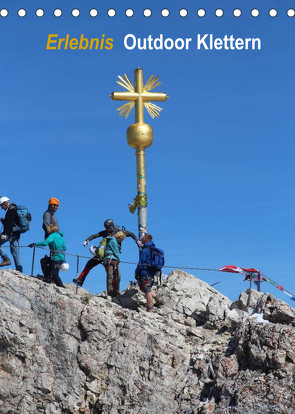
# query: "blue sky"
{"type": "Point", "coordinates": [220, 173]}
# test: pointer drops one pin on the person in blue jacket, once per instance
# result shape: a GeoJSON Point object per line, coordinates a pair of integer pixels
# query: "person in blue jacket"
{"type": "Point", "coordinates": [145, 274]}
{"type": "Point", "coordinates": [57, 245]}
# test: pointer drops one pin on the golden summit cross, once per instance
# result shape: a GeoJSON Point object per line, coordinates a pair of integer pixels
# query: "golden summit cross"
{"type": "Point", "coordinates": [139, 96]}
{"type": "Point", "coordinates": [139, 135]}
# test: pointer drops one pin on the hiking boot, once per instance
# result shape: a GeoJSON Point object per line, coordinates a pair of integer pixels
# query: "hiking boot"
{"type": "Point", "coordinates": [150, 309]}
{"type": "Point", "coordinates": [78, 282]}
{"type": "Point", "coordinates": [48, 280]}
{"type": "Point", "coordinates": [5, 262]}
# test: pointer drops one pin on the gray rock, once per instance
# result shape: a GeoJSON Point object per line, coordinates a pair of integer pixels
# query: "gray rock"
{"type": "Point", "coordinates": [247, 301]}
{"type": "Point", "coordinates": [63, 351]}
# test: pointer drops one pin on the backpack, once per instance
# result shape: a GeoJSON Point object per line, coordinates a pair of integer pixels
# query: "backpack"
{"type": "Point", "coordinates": [157, 259]}
{"type": "Point", "coordinates": [24, 218]}
{"type": "Point", "coordinates": [101, 248]}
{"type": "Point", "coordinates": [46, 266]}
{"type": "Point", "coordinates": [117, 228]}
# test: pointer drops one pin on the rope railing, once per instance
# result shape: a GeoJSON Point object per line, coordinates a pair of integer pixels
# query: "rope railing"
{"type": "Point", "coordinates": [121, 261]}
{"type": "Point", "coordinates": [266, 278]}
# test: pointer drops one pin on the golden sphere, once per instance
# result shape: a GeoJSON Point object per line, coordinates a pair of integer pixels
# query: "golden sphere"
{"type": "Point", "coordinates": [140, 135]}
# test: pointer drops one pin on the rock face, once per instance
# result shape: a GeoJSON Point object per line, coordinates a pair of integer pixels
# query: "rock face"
{"type": "Point", "coordinates": [63, 353]}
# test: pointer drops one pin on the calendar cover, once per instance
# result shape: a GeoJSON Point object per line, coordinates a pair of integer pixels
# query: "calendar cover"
{"type": "Point", "coordinates": [211, 174]}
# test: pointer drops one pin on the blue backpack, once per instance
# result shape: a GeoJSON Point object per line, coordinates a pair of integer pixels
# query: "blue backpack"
{"type": "Point", "coordinates": [157, 259]}
{"type": "Point", "coordinates": [24, 218]}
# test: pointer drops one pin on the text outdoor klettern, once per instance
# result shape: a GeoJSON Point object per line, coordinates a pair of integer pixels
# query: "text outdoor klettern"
{"type": "Point", "coordinates": [203, 42]}
{"type": "Point", "coordinates": [160, 42]}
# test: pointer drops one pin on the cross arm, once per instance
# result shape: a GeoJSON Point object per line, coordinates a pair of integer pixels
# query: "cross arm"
{"type": "Point", "coordinates": [124, 96]}
{"type": "Point", "coordinates": [154, 96]}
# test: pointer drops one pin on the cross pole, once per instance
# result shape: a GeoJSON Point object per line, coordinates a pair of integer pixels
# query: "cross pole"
{"type": "Point", "coordinates": [139, 134]}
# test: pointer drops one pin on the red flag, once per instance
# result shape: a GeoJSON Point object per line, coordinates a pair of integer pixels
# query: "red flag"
{"type": "Point", "coordinates": [256, 275]}
{"type": "Point", "coordinates": [231, 269]}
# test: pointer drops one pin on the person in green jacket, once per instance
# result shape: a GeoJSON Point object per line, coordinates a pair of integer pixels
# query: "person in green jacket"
{"type": "Point", "coordinates": [56, 243]}
{"type": "Point", "coordinates": [111, 263]}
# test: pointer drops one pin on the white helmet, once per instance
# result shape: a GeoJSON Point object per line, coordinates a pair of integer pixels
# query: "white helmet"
{"type": "Point", "coordinates": [93, 250]}
{"type": "Point", "coordinates": [3, 199]}
{"type": "Point", "coordinates": [64, 267]}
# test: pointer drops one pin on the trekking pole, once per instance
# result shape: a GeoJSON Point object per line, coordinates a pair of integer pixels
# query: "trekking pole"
{"type": "Point", "coordinates": [33, 260]}
{"type": "Point", "coordinates": [258, 284]}
{"type": "Point", "coordinates": [250, 293]}
{"type": "Point", "coordinates": [77, 273]}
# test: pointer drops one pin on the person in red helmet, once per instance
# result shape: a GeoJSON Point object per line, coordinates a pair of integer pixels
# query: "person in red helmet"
{"type": "Point", "coordinates": [49, 216]}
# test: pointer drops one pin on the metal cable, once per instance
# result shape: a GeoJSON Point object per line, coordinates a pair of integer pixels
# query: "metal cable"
{"type": "Point", "coordinates": [133, 263]}
{"type": "Point", "coordinates": [277, 285]}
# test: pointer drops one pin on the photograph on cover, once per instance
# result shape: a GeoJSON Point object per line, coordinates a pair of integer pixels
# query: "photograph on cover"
{"type": "Point", "coordinates": [168, 118]}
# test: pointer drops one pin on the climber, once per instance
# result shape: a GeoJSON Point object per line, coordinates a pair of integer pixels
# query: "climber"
{"type": "Point", "coordinates": [111, 262]}
{"type": "Point", "coordinates": [56, 243]}
{"type": "Point", "coordinates": [145, 272]}
{"type": "Point", "coordinates": [10, 233]}
{"type": "Point", "coordinates": [49, 216]}
{"type": "Point", "coordinates": [110, 229]}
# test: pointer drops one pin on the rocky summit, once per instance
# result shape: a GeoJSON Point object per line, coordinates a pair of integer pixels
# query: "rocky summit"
{"type": "Point", "coordinates": [64, 352]}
